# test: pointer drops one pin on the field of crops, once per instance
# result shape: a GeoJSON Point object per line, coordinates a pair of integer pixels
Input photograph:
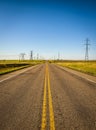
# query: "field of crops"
{"type": "Point", "coordinates": [88, 67]}
{"type": "Point", "coordinates": [7, 66]}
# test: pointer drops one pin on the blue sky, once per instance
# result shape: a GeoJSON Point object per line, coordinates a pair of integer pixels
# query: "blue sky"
{"type": "Point", "coordinates": [47, 28]}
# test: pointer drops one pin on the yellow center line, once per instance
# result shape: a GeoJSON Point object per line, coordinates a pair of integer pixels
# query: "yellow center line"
{"type": "Point", "coordinates": [43, 125]}
{"type": "Point", "coordinates": [52, 122]}
{"type": "Point", "coordinates": [51, 113]}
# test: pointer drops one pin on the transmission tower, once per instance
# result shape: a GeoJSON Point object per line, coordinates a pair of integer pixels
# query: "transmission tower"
{"type": "Point", "coordinates": [31, 55]}
{"type": "Point", "coordinates": [22, 56]}
{"type": "Point", "coordinates": [37, 56]}
{"type": "Point", "coordinates": [58, 56]}
{"type": "Point", "coordinates": [87, 49]}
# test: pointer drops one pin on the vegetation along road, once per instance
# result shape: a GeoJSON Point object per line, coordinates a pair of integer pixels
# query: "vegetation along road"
{"type": "Point", "coordinates": [47, 97]}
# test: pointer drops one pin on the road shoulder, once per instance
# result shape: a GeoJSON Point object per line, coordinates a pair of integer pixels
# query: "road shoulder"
{"type": "Point", "coordinates": [89, 78]}
{"type": "Point", "coordinates": [15, 73]}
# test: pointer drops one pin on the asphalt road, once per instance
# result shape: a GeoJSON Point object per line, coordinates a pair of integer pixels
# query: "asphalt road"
{"type": "Point", "coordinates": [47, 97]}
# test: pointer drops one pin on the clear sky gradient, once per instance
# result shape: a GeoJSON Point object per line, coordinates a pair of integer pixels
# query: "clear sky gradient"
{"type": "Point", "coordinates": [47, 27]}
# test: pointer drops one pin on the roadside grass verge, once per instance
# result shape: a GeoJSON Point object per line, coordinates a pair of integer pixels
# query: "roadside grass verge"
{"type": "Point", "coordinates": [13, 65]}
{"type": "Point", "coordinates": [88, 67]}
{"type": "Point", "coordinates": [11, 69]}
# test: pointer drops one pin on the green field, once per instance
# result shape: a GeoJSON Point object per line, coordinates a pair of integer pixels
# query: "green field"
{"type": "Point", "coordinates": [7, 66]}
{"type": "Point", "coordinates": [88, 67]}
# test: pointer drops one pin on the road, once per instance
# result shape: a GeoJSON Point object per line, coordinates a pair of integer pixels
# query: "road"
{"type": "Point", "coordinates": [46, 97]}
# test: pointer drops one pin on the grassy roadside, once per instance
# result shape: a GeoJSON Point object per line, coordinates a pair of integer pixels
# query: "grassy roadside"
{"type": "Point", "coordinates": [82, 66]}
{"type": "Point", "coordinates": [11, 69]}
{"type": "Point", "coordinates": [13, 65]}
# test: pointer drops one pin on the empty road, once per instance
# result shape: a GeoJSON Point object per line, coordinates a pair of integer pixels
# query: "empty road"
{"type": "Point", "coordinates": [47, 97]}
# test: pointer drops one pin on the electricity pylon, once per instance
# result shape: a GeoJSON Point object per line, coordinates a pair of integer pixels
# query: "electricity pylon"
{"type": "Point", "coordinates": [87, 49]}
{"type": "Point", "coordinates": [31, 55]}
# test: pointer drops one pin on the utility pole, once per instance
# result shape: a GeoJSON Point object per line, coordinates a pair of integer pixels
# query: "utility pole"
{"type": "Point", "coordinates": [87, 49]}
{"type": "Point", "coordinates": [31, 55]}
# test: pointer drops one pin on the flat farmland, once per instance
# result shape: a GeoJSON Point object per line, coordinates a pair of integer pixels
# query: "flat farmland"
{"type": "Point", "coordinates": [7, 66]}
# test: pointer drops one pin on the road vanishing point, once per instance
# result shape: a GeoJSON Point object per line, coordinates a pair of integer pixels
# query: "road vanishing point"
{"type": "Point", "coordinates": [47, 97]}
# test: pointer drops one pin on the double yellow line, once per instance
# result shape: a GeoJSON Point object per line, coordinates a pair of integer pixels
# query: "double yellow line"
{"type": "Point", "coordinates": [44, 110]}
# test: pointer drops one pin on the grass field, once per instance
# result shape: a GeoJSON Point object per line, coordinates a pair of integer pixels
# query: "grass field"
{"type": "Point", "coordinates": [7, 66]}
{"type": "Point", "coordinates": [88, 67]}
